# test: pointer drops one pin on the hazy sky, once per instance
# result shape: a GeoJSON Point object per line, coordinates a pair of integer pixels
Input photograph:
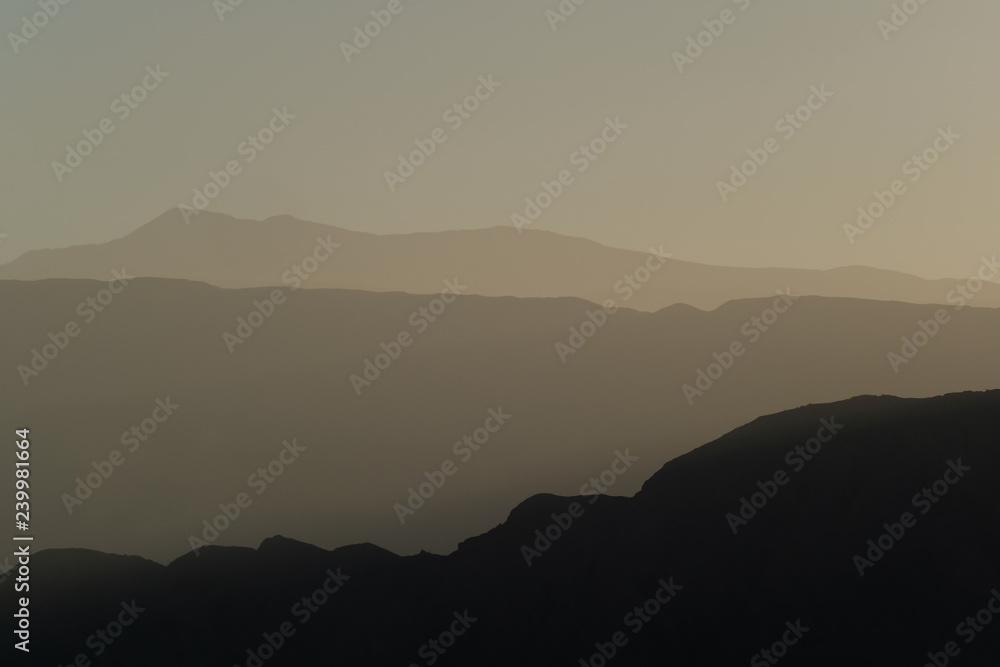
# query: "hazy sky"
{"type": "Point", "coordinates": [656, 183]}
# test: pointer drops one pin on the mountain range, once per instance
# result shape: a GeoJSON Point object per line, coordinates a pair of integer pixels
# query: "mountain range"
{"type": "Point", "coordinates": [878, 548]}
{"type": "Point", "coordinates": [221, 250]}
{"type": "Point", "coordinates": [641, 383]}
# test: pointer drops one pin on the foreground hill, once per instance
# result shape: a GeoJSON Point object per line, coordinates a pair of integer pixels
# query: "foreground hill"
{"type": "Point", "coordinates": [662, 573]}
{"type": "Point", "coordinates": [228, 252]}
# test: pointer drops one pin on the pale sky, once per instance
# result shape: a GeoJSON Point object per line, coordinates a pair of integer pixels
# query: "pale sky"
{"type": "Point", "coordinates": [657, 183]}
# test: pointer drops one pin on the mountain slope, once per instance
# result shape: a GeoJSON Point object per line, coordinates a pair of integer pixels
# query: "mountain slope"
{"type": "Point", "coordinates": [227, 252]}
{"type": "Point", "coordinates": [161, 342]}
{"type": "Point", "coordinates": [793, 565]}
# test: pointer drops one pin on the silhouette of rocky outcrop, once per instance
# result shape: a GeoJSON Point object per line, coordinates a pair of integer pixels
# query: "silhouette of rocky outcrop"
{"type": "Point", "coordinates": [790, 565]}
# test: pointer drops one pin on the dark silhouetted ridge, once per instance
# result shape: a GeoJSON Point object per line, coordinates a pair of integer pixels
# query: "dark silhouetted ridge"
{"type": "Point", "coordinates": [793, 561]}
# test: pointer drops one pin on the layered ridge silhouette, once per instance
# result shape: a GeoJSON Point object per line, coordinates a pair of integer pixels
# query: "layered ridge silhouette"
{"type": "Point", "coordinates": [792, 565]}
{"type": "Point", "coordinates": [365, 455]}
{"type": "Point", "coordinates": [499, 261]}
